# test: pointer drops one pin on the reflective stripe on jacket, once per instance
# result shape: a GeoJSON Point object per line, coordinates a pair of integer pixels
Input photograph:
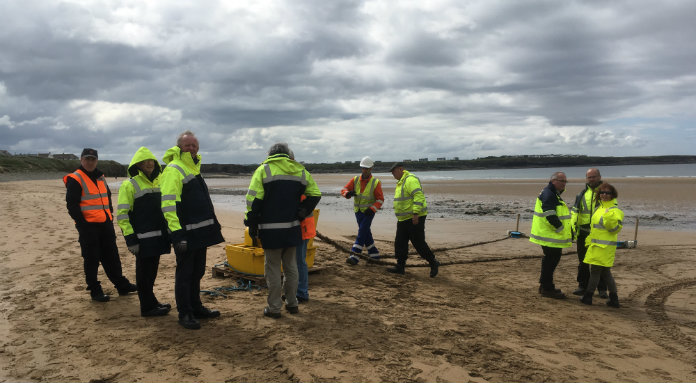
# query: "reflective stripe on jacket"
{"type": "Point", "coordinates": [365, 199]}
{"type": "Point", "coordinates": [273, 200]}
{"type": "Point", "coordinates": [409, 199]}
{"type": "Point", "coordinates": [139, 212]}
{"type": "Point", "coordinates": [582, 210]}
{"type": "Point", "coordinates": [94, 203]}
{"type": "Point", "coordinates": [186, 203]}
{"type": "Point", "coordinates": [543, 232]}
{"type": "Point", "coordinates": [607, 222]}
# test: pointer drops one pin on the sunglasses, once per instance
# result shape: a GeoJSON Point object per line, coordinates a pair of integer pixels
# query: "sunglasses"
{"type": "Point", "coordinates": [604, 192]}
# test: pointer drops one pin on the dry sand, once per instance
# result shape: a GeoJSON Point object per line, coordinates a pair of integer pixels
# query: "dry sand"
{"type": "Point", "coordinates": [480, 320]}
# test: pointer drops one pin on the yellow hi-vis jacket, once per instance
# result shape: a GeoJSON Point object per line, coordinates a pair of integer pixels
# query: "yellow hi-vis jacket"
{"type": "Point", "coordinates": [584, 207]}
{"type": "Point", "coordinates": [409, 199]}
{"type": "Point", "coordinates": [139, 208]}
{"type": "Point", "coordinates": [543, 232]}
{"type": "Point", "coordinates": [607, 222]}
{"type": "Point", "coordinates": [366, 198]}
{"type": "Point", "coordinates": [274, 199]}
{"type": "Point", "coordinates": [186, 202]}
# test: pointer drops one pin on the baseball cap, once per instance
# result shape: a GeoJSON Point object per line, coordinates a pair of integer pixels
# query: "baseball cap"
{"type": "Point", "coordinates": [89, 152]}
{"type": "Point", "coordinates": [396, 165]}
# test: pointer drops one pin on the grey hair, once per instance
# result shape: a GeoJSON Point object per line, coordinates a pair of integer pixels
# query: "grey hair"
{"type": "Point", "coordinates": [279, 148]}
{"type": "Point", "coordinates": [555, 175]}
{"type": "Point", "coordinates": [186, 133]}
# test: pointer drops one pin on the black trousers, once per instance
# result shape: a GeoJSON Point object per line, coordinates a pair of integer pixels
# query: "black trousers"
{"type": "Point", "coordinates": [190, 268]}
{"type": "Point", "coordinates": [145, 275]}
{"type": "Point", "coordinates": [552, 256]}
{"type": "Point", "coordinates": [583, 268]}
{"type": "Point", "coordinates": [98, 245]}
{"type": "Point", "coordinates": [406, 231]}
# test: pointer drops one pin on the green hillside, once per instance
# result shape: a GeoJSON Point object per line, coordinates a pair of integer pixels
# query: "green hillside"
{"type": "Point", "coordinates": [29, 164]}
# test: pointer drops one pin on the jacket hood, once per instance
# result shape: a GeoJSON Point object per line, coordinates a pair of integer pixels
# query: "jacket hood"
{"type": "Point", "coordinates": [285, 164]}
{"type": "Point", "coordinates": [175, 152]}
{"type": "Point", "coordinates": [141, 155]}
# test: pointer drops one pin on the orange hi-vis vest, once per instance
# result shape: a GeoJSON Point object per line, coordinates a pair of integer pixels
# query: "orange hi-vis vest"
{"type": "Point", "coordinates": [94, 203]}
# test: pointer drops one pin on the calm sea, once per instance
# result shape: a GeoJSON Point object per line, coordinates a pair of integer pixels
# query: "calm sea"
{"type": "Point", "coordinates": [611, 172]}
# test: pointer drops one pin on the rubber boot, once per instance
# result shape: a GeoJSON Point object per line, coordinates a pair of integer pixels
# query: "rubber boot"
{"type": "Point", "coordinates": [586, 298]}
{"type": "Point", "coordinates": [97, 294]}
{"type": "Point", "coordinates": [400, 268]}
{"type": "Point", "coordinates": [613, 300]}
{"type": "Point", "coordinates": [434, 267]}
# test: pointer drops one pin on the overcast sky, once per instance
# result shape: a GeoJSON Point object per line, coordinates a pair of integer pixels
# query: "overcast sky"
{"type": "Point", "coordinates": [339, 80]}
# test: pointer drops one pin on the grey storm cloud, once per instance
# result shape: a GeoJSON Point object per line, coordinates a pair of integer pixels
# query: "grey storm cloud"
{"type": "Point", "coordinates": [339, 80]}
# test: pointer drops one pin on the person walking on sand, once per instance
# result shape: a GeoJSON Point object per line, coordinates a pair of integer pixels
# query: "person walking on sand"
{"type": "Point", "coordinates": [88, 199]}
{"type": "Point", "coordinates": [581, 214]}
{"type": "Point", "coordinates": [139, 214]}
{"type": "Point", "coordinates": [607, 222]}
{"type": "Point", "coordinates": [192, 225]}
{"type": "Point", "coordinates": [552, 230]}
{"type": "Point", "coordinates": [369, 198]}
{"type": "Point", "coordinates": [273, 214]}
{"type": "Point", "coordinates": [411, 211]}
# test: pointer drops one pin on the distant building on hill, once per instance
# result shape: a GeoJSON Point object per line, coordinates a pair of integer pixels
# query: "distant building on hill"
{"type": "Point", "coordinates": [64, 156]}
{"type": "Point", "coordinates": [425, 159]}
{"type": "Point", "coordinates": [44, 155]}
{"type": "Point", "coordinates": [5, 153]}
{"type": "Point", "coordinates": [441, 159]}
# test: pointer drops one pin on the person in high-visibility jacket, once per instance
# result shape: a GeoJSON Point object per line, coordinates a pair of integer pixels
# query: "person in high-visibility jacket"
{"type": "Point", "coordinates": [411, 210]}
{"type": "Point", "coordinates": [139, 214]}
{"type": "Point", "coordinates": [607, 222]}
{"type": "Point", "coordinates": [368, 199]}
{"type": "Point", "coordinates": [273, 214]}
{"type": "Point", "coordinates": [552, 230]}
{"type": "Point", "coordinates": [192, 224]}
{"type": "Point", "coordinates": [580, 216]}
{"type": "Point", "coordinates": [88, 199]}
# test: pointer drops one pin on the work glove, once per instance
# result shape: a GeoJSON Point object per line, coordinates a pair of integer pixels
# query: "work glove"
{"type": "Point", "coordinates": [369, 211]}
{"type": "Point", "coordinates": [301, 213]}
{"type": "Point", "coordinates": [181, 246]}
{"type": "Point", "coordinates": [134, 249]}
{"type": "Point", "coordinates": [559, 229]}
{"type": "Point", "coordinates": [350, 194]}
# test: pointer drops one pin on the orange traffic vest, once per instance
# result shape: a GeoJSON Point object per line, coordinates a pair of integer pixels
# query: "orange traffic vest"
{"type": "Point", "coordinates": [94, 203]}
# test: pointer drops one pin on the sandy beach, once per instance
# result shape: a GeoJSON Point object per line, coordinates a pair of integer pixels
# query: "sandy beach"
{"type": "Point", "coordinates": [480, 320]}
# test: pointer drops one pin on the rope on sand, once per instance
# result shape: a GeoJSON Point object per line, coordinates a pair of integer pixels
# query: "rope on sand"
{"type": "Point", "coordinates": [345, 249]}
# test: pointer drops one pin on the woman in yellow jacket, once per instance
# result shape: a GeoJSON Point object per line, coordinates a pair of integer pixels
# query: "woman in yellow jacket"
{"type": "Point", "coordinates": [606, 224]}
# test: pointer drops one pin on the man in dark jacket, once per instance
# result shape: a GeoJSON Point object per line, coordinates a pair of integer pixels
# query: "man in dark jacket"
{"type": "Point", "coordinates": [88, 199]}
{"type": "Point", "coordinates": [581, 215]}
{"type": "Point", "coordinates": [552, 230]}
{"type": "Point", "coordinates": [274, 212]}
{"type": "Point", "coordinates": [193, 225]}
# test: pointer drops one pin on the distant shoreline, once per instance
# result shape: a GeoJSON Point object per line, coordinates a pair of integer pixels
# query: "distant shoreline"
{"type": "Point", "coordinates": [21, 167]}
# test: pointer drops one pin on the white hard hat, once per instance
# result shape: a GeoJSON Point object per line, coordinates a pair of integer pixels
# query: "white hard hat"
{"type": "Point", "coordinates": [367, 162]}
